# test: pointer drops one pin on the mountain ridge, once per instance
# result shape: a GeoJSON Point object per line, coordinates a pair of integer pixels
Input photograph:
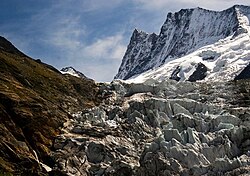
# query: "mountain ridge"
{"type": "Point", "coordinates": [182, 33]}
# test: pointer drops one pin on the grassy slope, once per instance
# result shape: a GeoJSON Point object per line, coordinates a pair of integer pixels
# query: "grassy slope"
{"type": "Point", "coordinates": [34, 103]}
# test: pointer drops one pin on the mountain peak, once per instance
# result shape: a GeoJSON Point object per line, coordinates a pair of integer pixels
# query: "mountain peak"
{"type": "Point", "coordinates": [182, 33]}
{"type": "Point", "coordinates": [72, 71]}
{"type": "Point", "coordinates": [138, 35]}
{"type": "Point", "coordinates": [138, 31]}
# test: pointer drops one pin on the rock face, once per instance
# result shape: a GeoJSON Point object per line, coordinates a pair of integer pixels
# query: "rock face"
{"type": "Point", "coordinates": [183, 33]}
{"type": "Point", "coordinates": [159, 128]}
{"type": "Point", "coordinates": [35, 101]}
{"type": "Point", "coordinates": [199, 73]}
{"type": "Point", "coordinates": [138, 54]}
{"type": "Point", "coordinates": [244, 74]}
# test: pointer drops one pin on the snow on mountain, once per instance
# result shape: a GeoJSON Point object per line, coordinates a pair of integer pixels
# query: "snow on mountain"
{"type": "Point", "coordinates": [221, 61]}
{"type": "Point", "coordinates": [193, 44]}
{"type": "Point", "coordinates": [73, 72]}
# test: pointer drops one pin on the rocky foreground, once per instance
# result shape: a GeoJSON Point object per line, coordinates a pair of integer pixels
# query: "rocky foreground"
{"type": "Point", "coordinates": [159, 128]}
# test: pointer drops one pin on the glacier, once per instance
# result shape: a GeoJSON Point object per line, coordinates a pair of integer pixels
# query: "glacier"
{"type": "Point", "coordinates": [158, 128]}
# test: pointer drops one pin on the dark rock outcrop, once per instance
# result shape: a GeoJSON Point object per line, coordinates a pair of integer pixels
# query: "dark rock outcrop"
{"type": "Point", "coordinates": [175, 73]}
{"type": "Point", "coordinates": [199, 73]}
{"type": "Point", "coordinates": [244, 74]}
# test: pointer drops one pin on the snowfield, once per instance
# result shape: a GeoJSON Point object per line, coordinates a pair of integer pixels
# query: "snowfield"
{"type": "Point", "coordinates": [224, 59]}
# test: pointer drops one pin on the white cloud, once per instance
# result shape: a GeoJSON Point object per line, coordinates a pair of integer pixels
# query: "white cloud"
{"type": "Point", "coordinates": [94, 5]}
{"type": "Point", "coordinates": [99, 60]}
{"type": "Point", "coordinates": [101, 72]}
{"type": "Point", "coordinates": [179, 4]}
{"type": "Point", "coordinates": [220, 5]}
{"type": "Point", "coordinates": [110, 47]}
{"type": "Point", "coordinates": [66, 34]}
{"type": "Point", "coordinates": [162, 4]}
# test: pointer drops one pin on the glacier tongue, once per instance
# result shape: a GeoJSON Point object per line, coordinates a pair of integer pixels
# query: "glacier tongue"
{"type": "Point", "coordinates": [186, 32]}
{"type": "Point", "coordinates": [159, 128]}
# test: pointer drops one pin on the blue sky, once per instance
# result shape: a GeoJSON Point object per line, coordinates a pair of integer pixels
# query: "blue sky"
{"type": "Point", "coordinates": [90, 35]}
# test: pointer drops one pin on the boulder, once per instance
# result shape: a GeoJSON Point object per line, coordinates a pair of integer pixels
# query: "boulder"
{"type": "Point", "coordinates": [95, 152]}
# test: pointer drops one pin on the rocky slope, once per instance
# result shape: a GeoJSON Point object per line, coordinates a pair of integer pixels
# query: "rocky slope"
{"type": "Point", "coordinates": [35, 101]}
{"type": "Point", "coordinates": [188, 31]}
{"type": "Point", "coordinates": [160, 128]}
